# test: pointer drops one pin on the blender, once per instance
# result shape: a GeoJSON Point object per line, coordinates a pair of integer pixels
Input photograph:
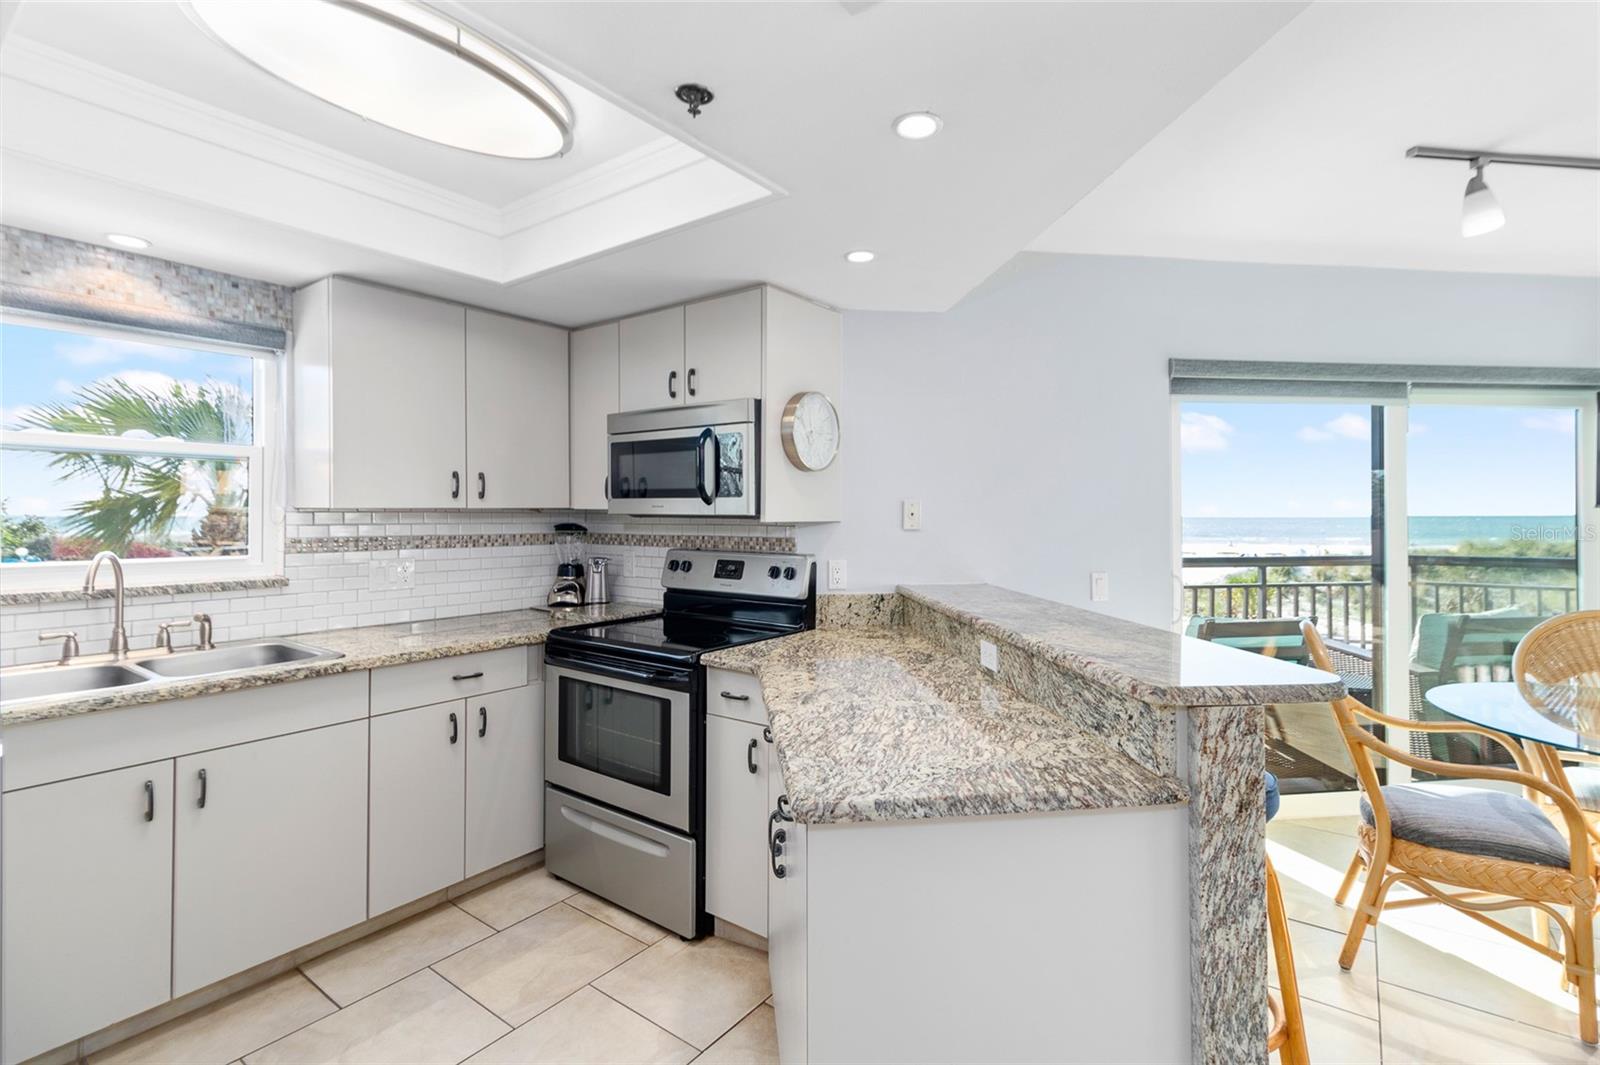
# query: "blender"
{"type": "Point", "coordinates": [568, 590]}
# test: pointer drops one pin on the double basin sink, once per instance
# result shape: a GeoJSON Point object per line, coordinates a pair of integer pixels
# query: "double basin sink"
{"type": "Point", "coordinates": [42, 682]}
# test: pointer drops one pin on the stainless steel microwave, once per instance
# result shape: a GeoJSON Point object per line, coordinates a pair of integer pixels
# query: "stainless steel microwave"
{"type": "Point", "coordinates": [692, 460]}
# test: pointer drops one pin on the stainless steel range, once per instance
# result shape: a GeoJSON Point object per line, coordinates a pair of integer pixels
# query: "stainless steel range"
{"type": "Point", "coordinates": [625, 729]}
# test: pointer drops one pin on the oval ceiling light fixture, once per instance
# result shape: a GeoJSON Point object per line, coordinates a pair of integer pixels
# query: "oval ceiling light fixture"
{"type": "Point", "coordinates": [860, 256]}
{"type": "Point", "coordinates": [128, 240]}
{"type": "Point", "coordinates": [918, 125]}
{"type": "Point", "coordinates": [400, 65]}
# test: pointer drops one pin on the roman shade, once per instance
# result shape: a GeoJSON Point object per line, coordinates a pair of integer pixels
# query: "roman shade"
{"type": "Point", "coordinates": [88, 309]}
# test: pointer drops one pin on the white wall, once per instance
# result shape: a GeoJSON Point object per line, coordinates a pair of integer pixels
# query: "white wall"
{"type": "Point", "coordinates": [1033, 419]}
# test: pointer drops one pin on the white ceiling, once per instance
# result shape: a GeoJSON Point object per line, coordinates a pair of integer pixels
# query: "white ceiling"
{"type": "Point", "coordinates": [1298, 156]}
{"type": "Point", "coordinates": [123, 117]}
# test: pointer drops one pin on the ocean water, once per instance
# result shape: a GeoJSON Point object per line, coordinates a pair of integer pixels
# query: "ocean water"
{"type": "Point", "coordinates": [1353, 536]}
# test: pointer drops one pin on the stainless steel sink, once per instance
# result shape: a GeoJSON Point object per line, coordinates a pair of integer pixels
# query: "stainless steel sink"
{"type": "Point", "coordinates": [234, 658]}
{"type": "Point", "coordinates": [68, 680]}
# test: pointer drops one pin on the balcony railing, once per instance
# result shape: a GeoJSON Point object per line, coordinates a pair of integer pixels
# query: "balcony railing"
{"type": "Point", "coordinates": [1345, 608]}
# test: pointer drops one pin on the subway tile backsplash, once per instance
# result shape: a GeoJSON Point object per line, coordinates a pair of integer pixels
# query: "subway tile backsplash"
{"type": "Point", "coordinates": [339, 567]}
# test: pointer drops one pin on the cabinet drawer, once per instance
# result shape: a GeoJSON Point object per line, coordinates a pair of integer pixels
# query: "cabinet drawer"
{"type": "Point", "coordinates": [461, 677]}
{"type": "Point", "coordinates": [735, 695]}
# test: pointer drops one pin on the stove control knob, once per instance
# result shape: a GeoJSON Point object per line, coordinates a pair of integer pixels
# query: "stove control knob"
{"type": "Point", "coordinates": [788, 573]}
{"type": "Point", "coordinates": [673, 565]}
{"type": "Point", "coordinates": [774, 572]}
{"type": "Point", "coordinates": [686, 565]}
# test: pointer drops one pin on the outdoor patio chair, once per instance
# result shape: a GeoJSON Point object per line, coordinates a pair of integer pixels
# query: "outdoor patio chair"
{"type": "Point", "coordinates": [1496, 850]}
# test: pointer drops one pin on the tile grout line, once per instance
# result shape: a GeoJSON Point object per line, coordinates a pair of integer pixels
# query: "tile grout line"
{"type": "Point", "coordinates": [697, 1050]}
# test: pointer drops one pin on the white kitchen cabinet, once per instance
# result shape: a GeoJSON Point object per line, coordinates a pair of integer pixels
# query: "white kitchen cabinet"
{"type": "Point", "coordinates": [651, 358]}
{"type": "Point", "coordinates": [722, 342]}
{"type": "Point", "coordinates": [516, 412]}
{"type": "Point", "coordinates": [594, 384]}
{"type": "Point", "coordinates": [270, 850]}
{"type": "Point", "coordinates": [737, 804]}
{"type": "Point", "coordinates": [505, 776]}
{"type": "Point", "coordinates": [787, 924]}
{"type": "Point", "coordinates": [88, 905]}
{"type": "Point", "coordinates": [418, 799]}
{"type": "Point", "coordinates": [379, 398]}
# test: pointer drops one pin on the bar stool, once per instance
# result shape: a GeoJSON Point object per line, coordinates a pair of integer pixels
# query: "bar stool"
{"type": "Point", "coordinates": [1287, 1034]}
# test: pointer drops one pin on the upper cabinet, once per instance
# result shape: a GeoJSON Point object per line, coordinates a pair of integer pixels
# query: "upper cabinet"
{"type": "Point", "coordinates": [516, 412]}
{"type": "Point", "coordinates": [403, 401]}
{"type": "Point", "coordinates": [652, 360]}
{"type": "Point", "coordinates": [722, 347]}
{"type": "Point", "coordinates": [594, 384]}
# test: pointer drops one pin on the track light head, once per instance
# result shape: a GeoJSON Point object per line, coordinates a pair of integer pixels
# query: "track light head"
{"type": "Point", "coordinates": [1480, 211]}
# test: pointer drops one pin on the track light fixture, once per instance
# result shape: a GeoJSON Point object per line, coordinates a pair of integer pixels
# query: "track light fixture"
{"type": "Point", "coordinates": [1480, 211]}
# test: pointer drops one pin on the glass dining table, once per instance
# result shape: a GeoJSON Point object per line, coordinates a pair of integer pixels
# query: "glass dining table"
{"type": "Point", "coordinates": [1500, 706]}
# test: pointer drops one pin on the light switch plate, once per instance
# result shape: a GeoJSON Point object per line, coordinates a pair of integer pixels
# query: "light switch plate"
{"type": "Point", "coordinates": [988, 656]}
{"type": "Point", "coordinates": [1099, 586]}
{"type": "Point", "coordinates": [911, 515]}
{"type": "Point", "coordinates": [837, 578]}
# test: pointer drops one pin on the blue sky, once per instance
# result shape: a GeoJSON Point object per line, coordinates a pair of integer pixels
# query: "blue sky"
{"type": "Point", "coordinates": [1314, 460]}
{"type": "Point", "coordinates": [39, 366]}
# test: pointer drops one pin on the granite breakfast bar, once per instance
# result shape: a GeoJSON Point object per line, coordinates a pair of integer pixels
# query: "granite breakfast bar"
{"type": "Point", "coordinates": [1093, 808]}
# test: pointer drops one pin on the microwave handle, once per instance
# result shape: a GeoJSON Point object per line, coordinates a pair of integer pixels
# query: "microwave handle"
{"type": "Point", "coordinates": [708, 495]}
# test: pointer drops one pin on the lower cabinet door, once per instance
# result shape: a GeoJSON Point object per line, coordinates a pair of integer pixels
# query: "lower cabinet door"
{"type": "Point", "coordinates": [418, 801]}
{"type": "Point", "coordinates": [505, 776]}
{"type": "Point", "coordinates": [270, 852]}
{"type": "Point", "coordinates": [736, 822]}
{"type": "Point", "coordinates": [88, 905]}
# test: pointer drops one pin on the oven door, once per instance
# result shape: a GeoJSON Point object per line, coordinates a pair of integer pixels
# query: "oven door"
{"type": "Point", "coordinates": [625, 743]}
{"type": "Point", "coordinates": [705, 471]}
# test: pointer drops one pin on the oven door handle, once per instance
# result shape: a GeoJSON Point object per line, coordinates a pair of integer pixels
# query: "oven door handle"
{"type": "Point", "coordinates": [708, 494]}
{"type": "Point", "coordinates": [643, 676]}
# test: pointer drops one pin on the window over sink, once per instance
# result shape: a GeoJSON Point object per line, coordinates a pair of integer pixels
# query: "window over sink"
{"type": "Point", "coordinates": [160, 448]}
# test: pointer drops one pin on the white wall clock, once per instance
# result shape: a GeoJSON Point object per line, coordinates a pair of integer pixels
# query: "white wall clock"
{"type": "Point", "coordinates": [810, 431]}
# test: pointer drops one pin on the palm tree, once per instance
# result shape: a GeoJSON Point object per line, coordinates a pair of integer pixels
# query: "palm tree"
{"type": "Point", "coordinates": [141, 496]}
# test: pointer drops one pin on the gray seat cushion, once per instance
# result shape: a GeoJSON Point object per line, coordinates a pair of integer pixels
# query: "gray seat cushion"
{"type": "Point", "coordinates": [1491, 824]}
{"type": "Point", "coordinates": [1585, 781]}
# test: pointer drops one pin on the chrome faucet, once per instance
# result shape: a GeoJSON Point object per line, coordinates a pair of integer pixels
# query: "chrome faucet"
{"type": "Point", "coordinates": [119, 632]}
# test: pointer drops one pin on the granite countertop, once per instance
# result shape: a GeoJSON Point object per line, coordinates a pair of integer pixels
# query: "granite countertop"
{"type": "Point", "coordinates": [876, 724]}
{"type": "Point", "coordinates": [1153, 665]}
{"type": "Point", "coordinates": [362, 648]}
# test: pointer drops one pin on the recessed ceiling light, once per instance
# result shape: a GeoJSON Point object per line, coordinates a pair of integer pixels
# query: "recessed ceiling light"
{"type": "Point", "coordinates": [401, 65]}
{"type": "Point", "coordinates": [128, 240]}
{"type": "Point", "coordinates": [862, 256]}
{"type": "Point", "coordinates": [918, 125]}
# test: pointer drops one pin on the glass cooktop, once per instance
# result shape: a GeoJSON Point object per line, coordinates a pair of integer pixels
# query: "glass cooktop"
{"type": "Point", "coordinates": [664, 636]}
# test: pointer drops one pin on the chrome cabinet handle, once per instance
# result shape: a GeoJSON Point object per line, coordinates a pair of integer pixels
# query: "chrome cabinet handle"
{"type": "Point", "coordinates": [483, 721]}
{"type": "Point", "coordinates": [455, 484]}
{"type": "Point", "coordinates": [467, 676]}
{"type": "Point", "coordinates": [672, 384]}
{"type": "Point", "coordinates": [455, 728]}
{"type": "Point", "coordinates": [483, 485]}
{"type": "Point", "coordinates": [202, 789]}
{"type": "Point", "coordinates": [149, 800]}
{"type": "Point", "coordinates": [736, 697]}
{"type": "Point", "coordinates": [691, 380]}
{"type": "Point", "coordinates": [750, 758]}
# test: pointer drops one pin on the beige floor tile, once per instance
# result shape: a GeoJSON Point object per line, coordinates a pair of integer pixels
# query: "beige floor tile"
{"type": "Point", "coordinates": [618, 918]}
{"type": "Point", "coordinates": [505, 902]}
{"type": "Point", "coordinates": [380, 959]}
{"type": "Point", "coordinates": [1336, 1037]}
{"type": "Point", "coordinates": [1422, 1029]}
{"type": "Point", "coordinates": [1496, 975]}
{"type": "Point", "coordinates": [538, 962]}
{"type": "Point", "coordinates": [1316, 962]}
{"type": "Point", "coordinates": [228, 1029]}
{"type": "Point", "coordinates": [753, 1041]}
{"type": "Point", "coordinates": [696, 991]}
{"type": "Point", "coordinates": [421, 1019]}
{"type": "Point", "coordinates": [1310, 864]}
{"type": "Point", "coordinates": [1342, 826]}
{"type": "Point", "coordinates": [586, 1027]}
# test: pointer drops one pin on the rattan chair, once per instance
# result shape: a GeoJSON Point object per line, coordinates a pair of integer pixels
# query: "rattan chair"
{"type": "Point", "coordinates": [1557, 670]}
{"type": "Point", "coordinates": [1483, 881]}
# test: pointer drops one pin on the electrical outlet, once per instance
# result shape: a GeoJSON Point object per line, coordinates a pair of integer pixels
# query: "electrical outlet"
{"type": "Point", "coordinates": [405, 573]}
{"type": "Point", "coordinates": [911, 515]}
{"type": "Point", "coordinates": [988, 656]}
{"type": "Point", "coordinates": [1099, 586]}
{"type": "Point", "coordinates": [836, 574]}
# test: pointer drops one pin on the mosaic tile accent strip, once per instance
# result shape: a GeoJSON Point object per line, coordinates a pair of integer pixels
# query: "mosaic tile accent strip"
{"type": "Point", "coordinates": [74, 595]}
{"type": "Point", "coordinates": [693, 541]}
{"type": "Point", "coordinates": [88, 272]}
{"type": "Point", "coordinates": [446, 541]}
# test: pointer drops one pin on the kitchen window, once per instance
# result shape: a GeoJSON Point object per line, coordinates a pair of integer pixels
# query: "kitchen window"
{"type": "Point", "coordinates": [159, 448]}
